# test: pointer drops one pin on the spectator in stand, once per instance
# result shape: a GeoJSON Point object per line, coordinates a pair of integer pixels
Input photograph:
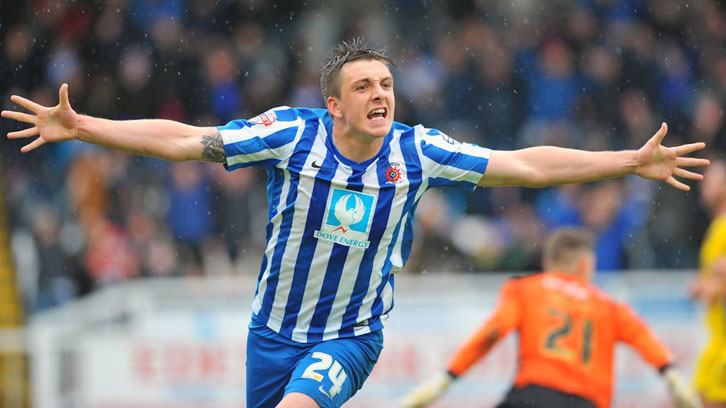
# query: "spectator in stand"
{"type": "Point", "coordinates": [169, 59]}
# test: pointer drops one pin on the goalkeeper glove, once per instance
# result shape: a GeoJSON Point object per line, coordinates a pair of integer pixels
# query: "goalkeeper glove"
{"type": "Point", "coordinates": [682, 394]}
{"type": "Point", "coordinates": [427, 392]}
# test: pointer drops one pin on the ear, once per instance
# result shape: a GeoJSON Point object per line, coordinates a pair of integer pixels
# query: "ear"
{"type": "Point", "coordinates": [334, 107]}
{"type": "Point", "coordinates": [581, 265]}
{"type": "Point", "coordinates": [586, 265]}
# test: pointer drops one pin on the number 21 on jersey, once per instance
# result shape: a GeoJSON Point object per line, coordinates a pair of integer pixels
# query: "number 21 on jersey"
{"type": "Point", "coordinates": [561, 340]}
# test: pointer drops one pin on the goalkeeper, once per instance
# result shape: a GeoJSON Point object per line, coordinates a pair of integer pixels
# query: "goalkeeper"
{"type": "Point", "coordinates": [568, 330]}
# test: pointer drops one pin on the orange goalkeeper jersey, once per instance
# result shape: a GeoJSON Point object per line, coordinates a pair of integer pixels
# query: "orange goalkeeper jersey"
{"type": "Point", "coordinates": [567, 334]}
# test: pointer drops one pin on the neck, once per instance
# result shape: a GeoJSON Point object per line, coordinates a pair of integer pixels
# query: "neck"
{"type": "Point", "coordinates": [355, 146]}
{"type": "Point", "coordinates": [569, 270]}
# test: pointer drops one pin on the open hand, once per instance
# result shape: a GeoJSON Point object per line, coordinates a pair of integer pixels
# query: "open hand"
{"type": "Point", "coordinates": [684, 396]}
{"type": "Point", "coordinates": [658, 162]}
{"type": "Point", "coordinates": [427, 392]}
{"type": "Point", "coordinates": [55, 124]}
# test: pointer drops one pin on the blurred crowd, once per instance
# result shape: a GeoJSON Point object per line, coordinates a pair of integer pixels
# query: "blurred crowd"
{"type": "Point", "coordinates": [591, 74]}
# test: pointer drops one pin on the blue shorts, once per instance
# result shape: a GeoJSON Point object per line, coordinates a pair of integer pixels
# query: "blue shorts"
{"type": "Point", "coordinates": [329, 372]}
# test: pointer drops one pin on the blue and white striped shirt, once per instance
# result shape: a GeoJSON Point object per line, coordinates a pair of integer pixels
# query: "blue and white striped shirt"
{"type": "Point", "coordinates": [338, 230]}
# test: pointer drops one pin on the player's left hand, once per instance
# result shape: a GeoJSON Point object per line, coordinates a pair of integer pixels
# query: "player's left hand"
{"type": "Point", "coordinates": [683, 395]}
{"type": "Point", "coordinates": [657, 162]}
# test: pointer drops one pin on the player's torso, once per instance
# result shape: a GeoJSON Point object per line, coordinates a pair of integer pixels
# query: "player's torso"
{"type": "Point", "coordinates": [337, 230]}
{"type": "Point", "coordinates": [713, 247]}
{"type": "Point", "coordinates": [339, 203]}
{"type": "Point", "coordinates": [567, 335]}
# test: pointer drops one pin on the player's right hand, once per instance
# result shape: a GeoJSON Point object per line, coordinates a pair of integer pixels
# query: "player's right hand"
{"type": "Point", "coordinates": [427, 392]}
{"type": "Point", "coordinates": [683, 395]}
{"type": "Point", "coordinates": [51, 124]}
{"type": "Point", "coordinates": [657, 162]}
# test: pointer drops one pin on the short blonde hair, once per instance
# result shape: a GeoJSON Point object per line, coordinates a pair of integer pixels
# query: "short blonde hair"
{"type": "Point", "coordinates": [564, 246]}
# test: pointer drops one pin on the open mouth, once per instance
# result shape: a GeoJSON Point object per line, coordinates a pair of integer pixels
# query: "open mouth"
{"type": "Point", "coordinates": [378, 114]}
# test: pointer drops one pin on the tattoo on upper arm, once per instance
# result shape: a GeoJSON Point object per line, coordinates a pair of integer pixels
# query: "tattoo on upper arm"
{"type": "Point", "coordinates": [213, 148]}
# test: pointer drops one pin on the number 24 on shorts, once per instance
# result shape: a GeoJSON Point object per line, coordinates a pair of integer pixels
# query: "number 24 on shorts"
{"type": "Point", "coordinates": [336, 373]}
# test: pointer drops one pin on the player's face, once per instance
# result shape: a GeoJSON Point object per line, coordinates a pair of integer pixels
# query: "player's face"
{"type": "Point", "coordinates": [366, 102]}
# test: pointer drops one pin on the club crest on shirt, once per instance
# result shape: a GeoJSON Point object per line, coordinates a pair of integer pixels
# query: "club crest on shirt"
{"type": "Point", "coordinates": [347, 218]}
{"type": "Point", "coordinates": [265, 119]}
{"type": "Point", "coordinates": [393, 173]}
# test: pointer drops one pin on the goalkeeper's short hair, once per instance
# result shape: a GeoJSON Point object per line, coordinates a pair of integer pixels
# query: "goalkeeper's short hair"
{"type": "Point", "coordinates": [565, 245]}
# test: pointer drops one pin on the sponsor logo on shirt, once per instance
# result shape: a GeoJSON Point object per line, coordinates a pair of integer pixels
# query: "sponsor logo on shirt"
{"type": "Point", "coordinates": [265, 119]}
{"type": "Point", "coordinates": [448, 139]}
{"type": "Point", "coordinates": [347, 218]}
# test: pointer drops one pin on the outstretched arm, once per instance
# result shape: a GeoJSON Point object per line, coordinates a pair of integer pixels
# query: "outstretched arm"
{"type": "Point", "coordinates": [503, 320]}
{"type": "Point", "coordinates": [632, 330]}
{"type": "Point", "coordinates": [473, 349]}
{"type": "Point", "coordinates": [164, 139]}
{"type": "Point", "coordinates": [548, 165]}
